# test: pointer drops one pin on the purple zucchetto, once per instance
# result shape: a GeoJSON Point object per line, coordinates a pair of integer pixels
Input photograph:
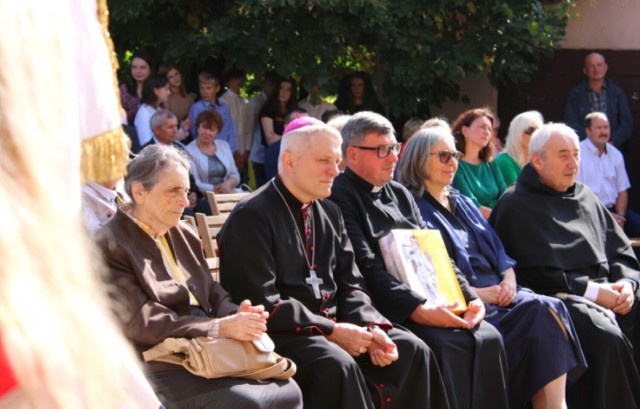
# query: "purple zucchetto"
{"type": "Point", "coordinates": [301, 123]}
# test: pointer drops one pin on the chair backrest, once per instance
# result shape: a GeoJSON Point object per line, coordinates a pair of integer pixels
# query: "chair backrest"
{"type": "Point", "coordinates": [208, 228]}
{"type": "Point", "coordinates": [224, 202]}
{"type": "Point", "coordinates": [191, 222]}
{"type": "Point", "coordinates": [214, 266]}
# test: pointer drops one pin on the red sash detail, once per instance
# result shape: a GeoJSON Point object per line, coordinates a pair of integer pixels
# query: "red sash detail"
{"type": "Point", "coordinates": [8, 381]}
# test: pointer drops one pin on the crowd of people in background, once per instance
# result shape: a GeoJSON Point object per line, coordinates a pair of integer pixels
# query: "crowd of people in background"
{"type": "Point", "coordinates": [538, 238]}
{"type": "Point", "coordinates": [251, 128]}
{"type": "Point", "coordinates": [545, 265]}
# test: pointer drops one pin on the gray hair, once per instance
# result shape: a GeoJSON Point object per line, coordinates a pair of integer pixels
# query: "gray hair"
{"type": "Point", "coordinates": [436, 121]}
{"type": "Point", "coordinates": [539, 139]}
{"type": "Point", "coordinates": [338, 121]}
{"type": "Point", "coordinates": [360, 124]}
{"type": "Point", "coordinates": [411, 127]}
{"type": "Point", "coordinates": [516, 128]}
{"type": "Point", "coordinates": [159, 116]}
{"type": "Point", "coordinates": [413, 164]}
{"type": "Point", "coordinates": [152, 160]}
{"type": "Point", "coordinates": [298, 140]}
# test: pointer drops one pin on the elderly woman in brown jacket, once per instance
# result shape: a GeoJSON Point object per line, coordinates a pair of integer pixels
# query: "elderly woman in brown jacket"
{"type": "Point", "coordinates": [166, 290]}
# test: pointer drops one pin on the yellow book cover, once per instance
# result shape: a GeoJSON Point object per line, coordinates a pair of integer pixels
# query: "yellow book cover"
{"type": "Point", "coordinates": [419, 259]}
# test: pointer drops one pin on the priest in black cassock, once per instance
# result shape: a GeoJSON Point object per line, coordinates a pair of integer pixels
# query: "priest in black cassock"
{"type": "Point", "coordinates": [286, 248]}
{"type": "Point", "coordinates": [567, 244]}
{"type": "Point", "coordinates": [469, 351]}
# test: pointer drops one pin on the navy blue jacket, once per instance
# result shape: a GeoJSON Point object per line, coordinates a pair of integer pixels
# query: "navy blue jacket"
{"type": "Point", "coordinates": [618, 112]}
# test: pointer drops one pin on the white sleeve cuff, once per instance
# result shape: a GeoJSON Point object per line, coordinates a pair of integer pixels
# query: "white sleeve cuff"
{"type": "Point", "coordinates": [214, 331]}
{"type": "Point", "coordinates": [591, 292]}
{"type": "Point", "coordinates": [634, 285]}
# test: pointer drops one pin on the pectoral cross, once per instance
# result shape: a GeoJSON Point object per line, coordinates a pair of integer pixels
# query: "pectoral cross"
{"type": "Point", "coordinates": [314, 282]}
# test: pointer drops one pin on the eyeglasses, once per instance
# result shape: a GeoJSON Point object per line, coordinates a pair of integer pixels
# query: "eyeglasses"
{"type": "Point", "coordinates": [445, 156]}
{"type": "Point", "coordinates": [382, 151]}
{"type": "Point", "coordinates": [530, 130]}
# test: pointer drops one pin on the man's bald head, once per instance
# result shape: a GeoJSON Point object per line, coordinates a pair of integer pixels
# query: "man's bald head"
{"type": "Point", "coordinates": [595, 67]}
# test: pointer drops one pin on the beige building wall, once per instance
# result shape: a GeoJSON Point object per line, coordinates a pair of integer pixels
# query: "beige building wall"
{"type": "Point", "coordinates": [480, 93]}
{"type": "Point", "coordinates": [602, 24]}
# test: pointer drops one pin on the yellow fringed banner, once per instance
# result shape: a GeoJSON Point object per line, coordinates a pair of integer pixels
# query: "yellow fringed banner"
{"type": "Point", "coordinates": [104, 157]}
{"type": "Point", "coordinates": [103, 17]}
{"type": "Point", "coordinates": [104, 149]}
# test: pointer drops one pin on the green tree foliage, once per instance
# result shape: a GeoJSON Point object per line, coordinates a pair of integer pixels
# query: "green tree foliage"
{"type": "Point", "coordinates": [417, 50]}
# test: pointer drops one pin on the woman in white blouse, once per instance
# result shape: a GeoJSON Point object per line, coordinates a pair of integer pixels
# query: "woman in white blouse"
{"type": "Point", "coordinates": [155, 91]}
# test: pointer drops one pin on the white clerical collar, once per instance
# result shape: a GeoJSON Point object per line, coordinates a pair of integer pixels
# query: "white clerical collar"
{"type": "Point", "coordinates": [376, 189]}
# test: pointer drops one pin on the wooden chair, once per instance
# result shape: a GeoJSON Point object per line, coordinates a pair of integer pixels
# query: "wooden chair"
{"type": "Point", "coordinates": [214, 266]}
{"type": "Point", "coordinates": [224, 202]}
{"type": "Point", "coordinates": [208, 228]}
{"type": "Point", "coordinates": [191, 221]}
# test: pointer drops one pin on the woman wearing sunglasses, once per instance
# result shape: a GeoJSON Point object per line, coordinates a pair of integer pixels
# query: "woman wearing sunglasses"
{"type": "Point", "coordinates": [543, 351]}
{"type": "Point", "coordinates": [478, 177]}
{"type": "Point", "coordinates": [516, 151]}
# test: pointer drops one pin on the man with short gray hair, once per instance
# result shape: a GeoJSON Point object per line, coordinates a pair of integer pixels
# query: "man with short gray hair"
{"type": "Point", "coordinates": [567, 244]}
{"type": "Point", "coordinates": [164, 126]}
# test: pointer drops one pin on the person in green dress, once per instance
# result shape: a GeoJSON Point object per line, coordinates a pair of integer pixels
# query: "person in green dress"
{"type": "Point", "coordinates": [516, 152]}
{"type": "Point", "coordinates": [478, 176]}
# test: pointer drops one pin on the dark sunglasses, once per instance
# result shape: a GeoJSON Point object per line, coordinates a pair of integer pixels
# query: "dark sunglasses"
{"type": "Point", "coordinates": [382, 151]}
{"type": "Point", "coordinates": [445, 156]}
{"type": "Point", "coordinates": [530, 130]}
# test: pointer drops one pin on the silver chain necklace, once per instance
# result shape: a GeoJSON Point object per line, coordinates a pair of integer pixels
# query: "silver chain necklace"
{"type": "Point", "coordinates": [313, 279]}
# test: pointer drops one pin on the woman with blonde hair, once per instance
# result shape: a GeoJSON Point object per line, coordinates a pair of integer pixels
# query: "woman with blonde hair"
{"type": "Point", "coordinates": [516, 152]}
{"type": "Point", "coordinates": [59, 346]}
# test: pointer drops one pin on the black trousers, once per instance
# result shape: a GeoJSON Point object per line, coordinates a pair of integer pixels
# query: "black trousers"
{"type": "Point", "coordinates": [330, 378]}
{"type": "Point", "coordinates": [180, 389]}
{"type": "Point", "coordinates": [612, 379]}
{"type": "Point", "coordinates": [473, 364]}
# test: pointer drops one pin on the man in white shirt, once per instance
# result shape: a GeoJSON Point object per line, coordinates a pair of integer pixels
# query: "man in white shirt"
{"type": "Point", "coordinates": [241, 115]}
{"type": "Point", "coordinates": [315, 105]}
{"type": "Point", "coordinates": [602, 170]}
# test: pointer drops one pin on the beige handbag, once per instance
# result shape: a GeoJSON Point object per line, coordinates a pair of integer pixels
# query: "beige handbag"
{"type": "Point", "coordinates": [224, 357]}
